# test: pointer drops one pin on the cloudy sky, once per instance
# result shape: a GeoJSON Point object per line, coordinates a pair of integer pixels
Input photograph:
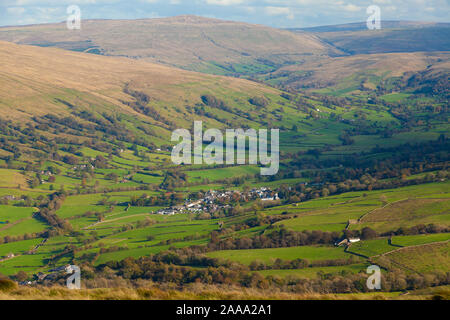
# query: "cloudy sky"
{"type": "Point", "coordinates": [276, 13]}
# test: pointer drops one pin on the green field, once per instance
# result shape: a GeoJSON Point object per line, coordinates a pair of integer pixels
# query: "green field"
{"type": "Point", "coordinates": [371, 248]}
{"type": "Point", "coordinates": [416, 240]}
{"type": "Point", "coordinates": [420, 259]}
{"type": "Point", "coordinates": [312, 253]}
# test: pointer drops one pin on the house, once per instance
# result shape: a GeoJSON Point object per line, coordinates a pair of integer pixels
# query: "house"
{"type": "Point", "coordinates": [347, 242]}
{"type": "Point", "coordinates": [69, 269]}
{"type": "Point", "coordinates": [193, 204]}
{"type": "Point", "coordinates": [341, 243]}
{"type": "Point", "coordinates": [275, 197]}
{"type": "Point", "coordinates": [41, 276]}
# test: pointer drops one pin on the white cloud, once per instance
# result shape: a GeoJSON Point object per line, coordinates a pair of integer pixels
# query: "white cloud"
{"type": "Point", "coordinates": [271, 12]}
{"type": "Point", "coordinates": [279, 11]}
{"type": "Point", "coordinates": [16, 10]}
{"type": "Point", "coordinates": [224, 2]}
{"type": "Point", "coordinates": [351, 8]}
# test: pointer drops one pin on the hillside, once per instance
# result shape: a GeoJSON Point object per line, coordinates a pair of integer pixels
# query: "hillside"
{"type": "Point", "coordinates": [415, 52]}
{"type": "Point", "coordinates": [36, 81]}
{"type": "Point", "coordinates": [146, 100]}
{"type": "Point", "coordinates": [296, 58]}
{"type": "Point", "coordinates": [362, 26]}
{"type": "Point", "coordinates": [365, 71]}
{"type": "Point", "coordinates": [393, 37]}
{"type": "Point", "coordinates": [195, 43]}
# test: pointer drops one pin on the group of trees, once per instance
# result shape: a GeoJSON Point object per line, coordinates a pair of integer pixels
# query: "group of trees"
{"type": "Point", "coordinates": [47, 212]}
{"type": "Point", "coordinates": [163, 199]}
{"type": "Point", "coordinates": [141, 105]}
{"type": "Point", "coordinates": [173, 268]}
{"type": "Point", "coordinates": [280, 264]}
{"type": "Point", "coordinates": [173, 178]}
{"type": "Point", "coordinates": [419, 229]}
{"type": "Point", "coordinates": [275, 239]}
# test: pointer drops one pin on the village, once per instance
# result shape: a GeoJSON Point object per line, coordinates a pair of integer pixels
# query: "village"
{"type": "Point", "coordinates": [214, 201]}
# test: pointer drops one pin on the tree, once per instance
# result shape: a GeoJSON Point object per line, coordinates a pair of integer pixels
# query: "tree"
{"type": "Point", "coordinates": [325, 192]}
{"type": "Point", "coordinates": [112, 176]}
{"type": "Point", "coordinates": [21, 276]}
{"type": "Point", "coordinates": [100, 216]}
{"type": "Point", "coordinates": [71, 160]}
{"type": "Point", "coordinates": [368, 233]}
{"type": "Point", "coordinates": [260, 102]}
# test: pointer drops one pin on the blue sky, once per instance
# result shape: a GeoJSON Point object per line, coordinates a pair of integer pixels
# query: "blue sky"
{"type": "Point", "coordinates": [276, 13]}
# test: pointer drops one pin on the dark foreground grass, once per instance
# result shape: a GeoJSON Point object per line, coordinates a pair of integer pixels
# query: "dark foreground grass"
{"type": "Point", "coordinates": [206, 292]}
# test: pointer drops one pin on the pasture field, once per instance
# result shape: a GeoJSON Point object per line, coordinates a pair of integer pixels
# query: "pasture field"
{"type": "Point", "coordinates": [19, 247]}
{"type": "Point", "coordinates": [12, 179]}
{"type": "Point", "coordinates": [222, 173]}
{"type": "Point", "coordinates": [11, 214]}
{"type": "Point", "coordinates": [371, 248]}
{"type": "Point", "coordinates": [331, 214]}
{"type": "Point", "coordinates": [432, 257]}
{"type": "Point", "coordinates": [28, 263]}
{"type": "Point", "coordinates": [416, 240]}
{"type": "Point", "coordinates": [268, 256]}
{"type": "Point", "coordinates": [22, 227]}
{"type": "Point", "coordinates": [408, 206]}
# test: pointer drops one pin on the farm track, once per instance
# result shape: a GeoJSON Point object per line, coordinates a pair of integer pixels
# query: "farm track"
{"type": "Point", "coordinates": [383, 207]}
{"type": "Point", "coordinates": [10, 258]}
{"type": "Point", "coordinates": [10, 225]}
{"type": "Point", "coordinates": [112, 220]}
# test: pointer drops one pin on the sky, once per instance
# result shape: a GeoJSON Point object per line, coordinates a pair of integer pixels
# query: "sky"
{"type": "Point", "coordinates": [275, 13]}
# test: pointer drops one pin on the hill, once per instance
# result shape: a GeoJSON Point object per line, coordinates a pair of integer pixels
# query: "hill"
{"type": "Point", "coordinates": [401, 49]}
{"type": "Point", "coordinates": [296, 58]}
{"type": "Point", "coordinates": [394, 36]}
{"type": "Point", "coordinates": [361, 71]}
{"type": "Point", "coordinates": [190, 42]}
{"type": "Point", "coordinates": [362, 26]}
{"type": "Point", "coordinates": [36, 81]}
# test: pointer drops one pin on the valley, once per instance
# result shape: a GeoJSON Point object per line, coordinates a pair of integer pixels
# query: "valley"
{"type": "Point", "coordinates": [86, 176]}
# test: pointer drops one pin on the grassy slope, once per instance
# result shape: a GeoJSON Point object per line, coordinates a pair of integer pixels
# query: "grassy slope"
{"type": "Point", "coordinates": [341, 75]}
{"type": "Point", "coordinates": [313, 253]}
{"type": "Point", "coordinates": [396, 39]}
{"type": "Point", "coordinates": [32, 76]}
{"type": "Point", "coordinates": [199, 292]}
{"type": "Point", "coordinates": [197, 43]}
{"type": "Point", "coordinates": [433, 257]}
